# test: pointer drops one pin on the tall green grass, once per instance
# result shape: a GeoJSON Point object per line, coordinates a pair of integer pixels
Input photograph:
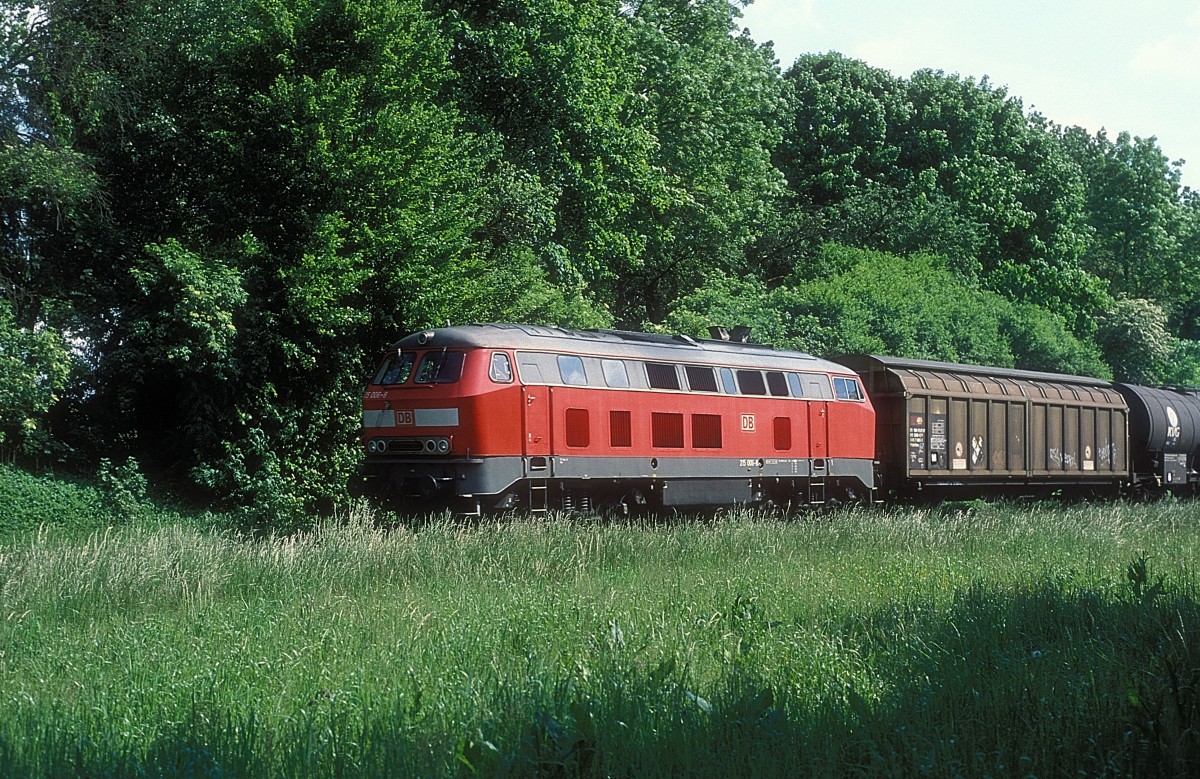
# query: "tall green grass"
{"type": "Point", "coordinates": [985, 640]}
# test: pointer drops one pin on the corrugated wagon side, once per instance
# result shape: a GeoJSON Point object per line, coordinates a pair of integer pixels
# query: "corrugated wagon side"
{"type": "Point", "coordinates": [965, 430]}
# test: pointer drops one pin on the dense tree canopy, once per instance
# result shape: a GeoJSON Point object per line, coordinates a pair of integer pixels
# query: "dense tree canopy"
{"type": "Point", "coordinates": [214, 215]}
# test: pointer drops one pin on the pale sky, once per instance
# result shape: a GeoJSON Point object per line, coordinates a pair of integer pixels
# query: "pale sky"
{"type": "Point", "coordinates": [1094, 63]}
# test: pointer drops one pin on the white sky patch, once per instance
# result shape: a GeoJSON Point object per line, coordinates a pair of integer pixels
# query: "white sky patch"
{"type": "Point", "coordinates": [781, 23]}
{"type": "Point", "coordinates": [902, 54]}
{"type": "Point", "coordinates": [1176, 56]}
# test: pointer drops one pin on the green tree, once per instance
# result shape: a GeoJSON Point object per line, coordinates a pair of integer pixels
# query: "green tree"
{"type": "Point", "coordinates": [33, 370]}
{"type": "Point", "coordinates": [47, 191]}
{"type": "Point", "coordinates": [1133, 334]}
{"type": "Point", "coordinates": [1187, 309]}
{"type": "Point", "coordinates": [874, 302]}
{"type": "Point", "coordinates": [1133, 209]}
{"type": "Point", "coordinates": [714, 102]}
{"type": "Point", "coordinates": [286, 192]}
{"type": "Point", "coordinates": [638, 136]}
{"type": "Point", "coordinates": [550, 82]}
{"type": "Point", "coordinates": [47, 187]}
{"type": "Point", "coordinates": [730, 301]}
{"type": "Point", "coordinates": [843, 129]}
{"type": "Point", "coordinates": [939, 164]}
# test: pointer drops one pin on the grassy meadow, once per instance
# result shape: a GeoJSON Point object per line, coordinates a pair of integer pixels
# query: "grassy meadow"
{"type": "Point", "coordinates": [977, 640]}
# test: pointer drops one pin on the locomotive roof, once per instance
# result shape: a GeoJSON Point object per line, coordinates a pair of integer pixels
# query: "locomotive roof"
{"type": "Point", "coordinates": [614, 343]}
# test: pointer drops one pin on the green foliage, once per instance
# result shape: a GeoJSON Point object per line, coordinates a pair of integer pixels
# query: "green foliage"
{"type": "Point", "coordinates": [772, 315]}
{"type": "Point", "coordinates": [714, 103]}
{"type": "Point", "coordinates": [46, 187]}
{"type": "Point", "coordinates": [841, 136]}
{"type": "Point", "coordinates": [638, 137]}
{"type": "Point", "coordinates": [28, 501]}
{"type": "Point", "coordinates": [1041, 341]}
{"type": "Point", "coordinates": [291, 196]}
{"type": "Point", "coordinates": [189, 304]}
{"type": "Point", "coordinates": [872, 302]}
{"type": "Point", "coordinates": [122, 486]}
{"type": "Point", "coordinates": [1133, 334]}
{"type": "Point", "coordinates": [939, 164]}
{"type": "Point", "coordinates": [912, 307]}
{"type": "Point", "coordinates": [551, 81]}
{"type": "Point", "coordinates": [1133, 211]}
{"type": "Point", "coordinates": [1184, 364]}
{"type": "Point", "coordinates": [33, 371]}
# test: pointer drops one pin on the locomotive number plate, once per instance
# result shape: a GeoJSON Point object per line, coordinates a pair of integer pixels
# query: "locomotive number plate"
{"type": "Point", "coordinates": [404, 417]}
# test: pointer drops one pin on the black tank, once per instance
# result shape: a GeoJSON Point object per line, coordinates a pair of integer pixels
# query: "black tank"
{"type": "Point", "coordinates": [1164, 431]}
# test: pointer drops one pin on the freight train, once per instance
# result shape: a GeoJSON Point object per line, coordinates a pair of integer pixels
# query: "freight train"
{"type": "Point", "coordinates": [494, 417]}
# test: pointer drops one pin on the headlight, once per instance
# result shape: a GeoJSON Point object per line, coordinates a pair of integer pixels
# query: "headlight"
{"type": "Point", "coordinates": [443, 445]}
{"type": "Point", "coordinates": [377, 446]}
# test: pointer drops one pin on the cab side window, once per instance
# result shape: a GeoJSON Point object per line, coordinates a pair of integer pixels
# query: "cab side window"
{"type": "Point", "coordinates": [501, 371]}
{"type": "Point", "coordinates": [847, 389]}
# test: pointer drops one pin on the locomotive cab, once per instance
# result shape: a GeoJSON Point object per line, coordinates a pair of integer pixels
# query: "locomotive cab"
{"type": "Point", "coordinates": [435, 424]}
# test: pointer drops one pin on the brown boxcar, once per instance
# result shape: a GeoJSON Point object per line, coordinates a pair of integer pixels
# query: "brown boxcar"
{"type": "Point", "coordinates": [967, 430]}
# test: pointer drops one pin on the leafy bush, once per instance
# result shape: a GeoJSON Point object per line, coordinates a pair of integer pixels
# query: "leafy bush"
{"type": "Point", "coordinates": [29, 501]}
{"type": "Point", "coordinates": [33, 370]}
{"type": "Point", "coordinates": [854, 300]}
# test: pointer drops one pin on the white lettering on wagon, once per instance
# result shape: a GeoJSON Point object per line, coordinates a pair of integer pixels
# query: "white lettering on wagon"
{"type": "Point", "coordinates": [1174, 431]}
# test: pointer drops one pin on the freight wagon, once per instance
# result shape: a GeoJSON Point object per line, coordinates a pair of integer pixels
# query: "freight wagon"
{"type": "Point", "coordinates": [968, 430]}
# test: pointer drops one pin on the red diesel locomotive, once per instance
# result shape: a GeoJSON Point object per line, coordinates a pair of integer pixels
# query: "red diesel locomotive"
{"type": "Point", "coordinates": [490, 417]}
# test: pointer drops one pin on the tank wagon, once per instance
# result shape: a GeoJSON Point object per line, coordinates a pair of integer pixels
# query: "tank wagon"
{"type": "Point", "coordinates": [499, 416]}
{"type": "Point", "coordinates": [494, 417]}
{"type": "Point", "coordinates": [1164, 437]}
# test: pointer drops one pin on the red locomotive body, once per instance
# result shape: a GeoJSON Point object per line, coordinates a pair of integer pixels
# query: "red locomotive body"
{"type": "Point", "coordinates": [488, 417]}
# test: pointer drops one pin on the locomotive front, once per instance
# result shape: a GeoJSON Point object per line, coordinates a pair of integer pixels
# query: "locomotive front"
{"type": "Point", "coordinates": [441, 423]}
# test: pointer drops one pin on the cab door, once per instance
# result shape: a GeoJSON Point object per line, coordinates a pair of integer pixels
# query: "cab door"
{"type": "Point", "coordinates": [536, 402]}
{"type": "Point", "coordinates": [818, 429]}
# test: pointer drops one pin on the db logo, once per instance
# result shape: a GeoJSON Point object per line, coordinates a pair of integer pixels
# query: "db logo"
{"type": "Point", "coordinates": [747, 423]}
{"type": "Point", "coordinates": [404, 417]}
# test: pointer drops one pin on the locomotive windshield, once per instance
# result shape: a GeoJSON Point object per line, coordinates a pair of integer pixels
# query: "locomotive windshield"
{"type": "Point", "coordinates": [397, 368]}
{"type": "Point", "coordinates": [442, 367]}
